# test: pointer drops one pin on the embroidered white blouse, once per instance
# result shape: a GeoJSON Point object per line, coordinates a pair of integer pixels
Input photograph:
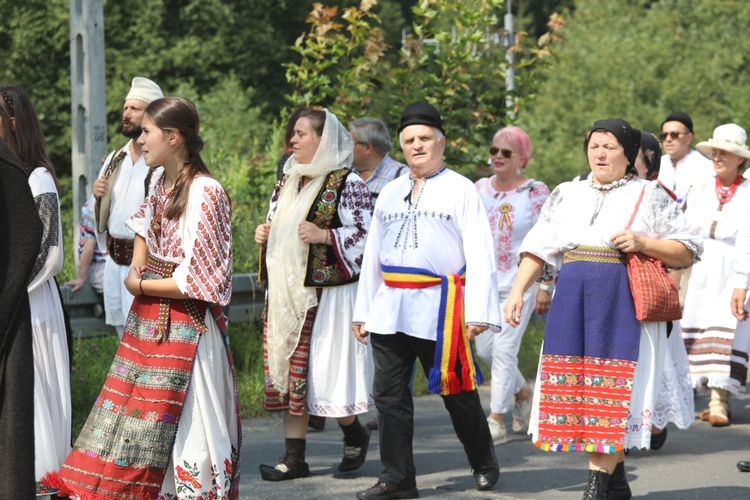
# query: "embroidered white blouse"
{"type": "Point", "coordinates": [511, 215]}
{"type": "Point", "coordinates": [200, 241]}
{"type": "Point", "coordinates": [577, 214]}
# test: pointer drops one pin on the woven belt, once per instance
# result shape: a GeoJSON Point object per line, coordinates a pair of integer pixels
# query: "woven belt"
{"type": "Point", "coordinates": [451, 343]}
{"type": "Point", "coordinates": [587, 253]}
{"type": "Point", "coordinates": [121, 250]}
{"type": "Point", "coordinates": [156, 269]}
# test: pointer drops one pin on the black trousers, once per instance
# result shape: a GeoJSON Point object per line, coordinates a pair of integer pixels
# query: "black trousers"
{"type": "Point", "coordinates": [394, 357]}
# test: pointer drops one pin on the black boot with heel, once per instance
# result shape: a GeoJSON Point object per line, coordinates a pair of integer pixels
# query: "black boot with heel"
{"type": "Point", "coordinates": [618, 488]}
{"type": "Point", "coordinates": [597, 487]}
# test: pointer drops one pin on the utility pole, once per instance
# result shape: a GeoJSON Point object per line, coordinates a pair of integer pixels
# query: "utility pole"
{"type": "Point", "coordinates": [510, 72]}
{"type": "Point", "coordinates": [88, 101]}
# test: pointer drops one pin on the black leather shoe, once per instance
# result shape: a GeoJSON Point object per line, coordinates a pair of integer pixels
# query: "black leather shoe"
{"type": "Point", "coordinates": [744, 466]}
{"type": "Point", "coordinates": [349, 464]}
{"type": "Point", "coordinates": [381, 491]}
{"type": "Point", "coordinates": [281, 472]}
{"type": "Point", "coordinates": [657, 440]}
{"type": "Point", "coordinates": [485, 479]}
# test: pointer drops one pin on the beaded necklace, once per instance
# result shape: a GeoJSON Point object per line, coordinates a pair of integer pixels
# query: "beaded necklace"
{"type": "Point", "coordinates": [611, 185]}
{"type": "Point", "coordinates": [724, 194]}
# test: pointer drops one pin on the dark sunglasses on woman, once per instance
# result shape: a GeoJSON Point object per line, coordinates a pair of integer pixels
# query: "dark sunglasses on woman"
{"type": "Point", "coordinates": [507, 153]}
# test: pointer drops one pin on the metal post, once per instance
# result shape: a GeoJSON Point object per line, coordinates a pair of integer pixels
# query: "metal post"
{"type": "Point", "coordinates": [510, 72]}
{"type": "Point", "coordinates": [88, 101]}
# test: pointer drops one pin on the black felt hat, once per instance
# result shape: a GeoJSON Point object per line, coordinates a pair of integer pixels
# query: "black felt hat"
{"type": "Point", "coordinates": [421, 113]}
{"type": "Point", "coordinates": [679, 116]}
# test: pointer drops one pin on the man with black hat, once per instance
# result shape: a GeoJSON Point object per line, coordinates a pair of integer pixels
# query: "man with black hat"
{"type": "Point", "coordinates": [429, 245]}
{"type": "Point", "coordinates": [119, 193]}
{"type": "Point", "coordinates": [681, 167]}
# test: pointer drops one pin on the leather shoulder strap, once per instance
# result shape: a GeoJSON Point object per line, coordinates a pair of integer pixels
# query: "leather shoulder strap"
{"type": "Point", "coordinates": [101, 206]}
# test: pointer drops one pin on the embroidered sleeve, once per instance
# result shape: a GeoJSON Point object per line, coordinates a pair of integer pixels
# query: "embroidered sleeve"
{"type": "Point", "coordinates": [49, 260]}
{"type": "Point", "coordinates": [551, 211]}
{"type": "Point", "coordinates": [539, 192]}
{"type": "Point", "coordinates": [355, 213]}
{"type": "Point", "coordinates": [46, 204]}
{"type": "Point", "coordinates": [206, 272]}
{"type": "Point", "coordinates": [665, 220]}
{"type": "Point", "coordinates": [542, 239]}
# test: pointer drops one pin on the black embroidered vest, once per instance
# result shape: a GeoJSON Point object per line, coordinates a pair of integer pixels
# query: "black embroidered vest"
{"type": "Point", "coordinates": [323, 267]}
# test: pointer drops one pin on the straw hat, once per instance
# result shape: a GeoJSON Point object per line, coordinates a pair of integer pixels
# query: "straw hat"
{"type": "Point", "coordinates": [729, 137]}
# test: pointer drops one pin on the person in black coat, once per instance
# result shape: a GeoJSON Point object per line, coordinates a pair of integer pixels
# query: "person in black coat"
{"type": "Point", "coordinates": [20, 237]}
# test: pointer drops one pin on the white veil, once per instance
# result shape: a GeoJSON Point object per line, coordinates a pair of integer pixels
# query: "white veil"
{"type": "Point", "coordinates": [286, 255]}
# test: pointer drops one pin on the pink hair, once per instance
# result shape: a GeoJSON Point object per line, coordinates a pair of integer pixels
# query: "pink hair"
{"type": "Point", "coordinates": [518, 140]}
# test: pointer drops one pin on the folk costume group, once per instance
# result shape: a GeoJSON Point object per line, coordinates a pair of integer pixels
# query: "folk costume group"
{"type": "Point", "coordinates": [413, 273]}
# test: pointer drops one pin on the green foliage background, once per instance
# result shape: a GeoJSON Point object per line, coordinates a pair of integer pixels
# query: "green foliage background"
{"type": "Point", "coordinates": [639, 60]}
{"type": "Point", "coordinates": [247, 63]}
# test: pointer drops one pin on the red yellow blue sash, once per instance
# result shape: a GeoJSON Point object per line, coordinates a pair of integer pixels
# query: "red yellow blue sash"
{"type": "Point", "coordinates": [452, 343]}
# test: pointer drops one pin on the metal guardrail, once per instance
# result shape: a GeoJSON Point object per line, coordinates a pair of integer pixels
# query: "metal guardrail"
{"type": "Point", "coordinates": [86, 307]}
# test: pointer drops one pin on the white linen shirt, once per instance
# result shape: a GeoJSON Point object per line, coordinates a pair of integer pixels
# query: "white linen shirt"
{"type": "Point", "coordinates": [128, 193]}
{"type": "Point", "coordinates": [443, 231]}
{"type": "Point", "coordinates": [691, 171]}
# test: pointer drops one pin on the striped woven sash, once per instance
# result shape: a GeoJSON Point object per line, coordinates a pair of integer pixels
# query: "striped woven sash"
{"type": "Point", "coordinates": [452, 343]}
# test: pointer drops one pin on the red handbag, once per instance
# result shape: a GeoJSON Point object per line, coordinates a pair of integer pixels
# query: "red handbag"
{"type": "Point", "coordinates": [655, 295]}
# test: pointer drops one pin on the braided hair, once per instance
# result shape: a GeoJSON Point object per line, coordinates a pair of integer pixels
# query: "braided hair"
{"type": "Point", "coordinates": [25, 138]}
{"type": "Point", "coordinates": [177, 114]}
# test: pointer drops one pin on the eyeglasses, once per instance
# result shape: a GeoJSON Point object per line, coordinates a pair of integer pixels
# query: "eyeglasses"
{"type": "Point", "coordinates": [507, 153]}
{"type": "Point", "coordinates": [673, 135]}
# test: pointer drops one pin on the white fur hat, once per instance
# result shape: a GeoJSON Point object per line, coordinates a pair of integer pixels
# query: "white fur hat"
{"type": "Point", "coordinates": [143, 89]}
{"type": "Point", "coordinates": [729, 137]}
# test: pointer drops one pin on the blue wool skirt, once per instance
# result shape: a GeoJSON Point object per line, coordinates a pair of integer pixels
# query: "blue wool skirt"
{"type": "Point", "coordinates": [591, 344]}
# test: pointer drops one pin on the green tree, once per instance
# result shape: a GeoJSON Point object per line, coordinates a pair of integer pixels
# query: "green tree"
{"type": "Point", "coordinates": [639, 60]}
{"type": "Point", "coordinates": [449, 59]}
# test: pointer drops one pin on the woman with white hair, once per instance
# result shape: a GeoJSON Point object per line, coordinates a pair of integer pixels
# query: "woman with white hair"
{"type": "Point", "coordinates": [717, 343]}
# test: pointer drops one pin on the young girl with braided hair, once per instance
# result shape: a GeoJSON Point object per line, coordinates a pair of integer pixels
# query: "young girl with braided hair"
{"type": "Point", "coordinates": [166, 424]}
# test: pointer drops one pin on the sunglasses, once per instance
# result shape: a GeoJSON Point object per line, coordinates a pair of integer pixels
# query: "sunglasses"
{"type": "Point", "coordinates": [673, 135]}
{"type": "Point", "coordinates": [507, 153]}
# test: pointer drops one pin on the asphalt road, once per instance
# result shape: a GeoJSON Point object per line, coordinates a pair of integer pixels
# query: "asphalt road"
{"type": "Point", "coordinates": [698, 463]}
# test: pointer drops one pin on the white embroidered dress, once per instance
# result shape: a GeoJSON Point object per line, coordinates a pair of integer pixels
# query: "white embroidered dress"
{"type": "Point", "coordinates": [201, 246]}
{"type": "Point", "coordinates": [717, 344]}
{"type": "Point", "coordinates": [340, 369]}
{"type": "Point", "coordinates": [576, 214]}
{"type": "Point", "coordinates": [52, 412]}
{"type": "Point", "coordinates": [511, 215]}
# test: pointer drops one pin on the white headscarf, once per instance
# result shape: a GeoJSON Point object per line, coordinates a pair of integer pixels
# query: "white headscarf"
{"type": "Point", "coordinates": [286, 256]}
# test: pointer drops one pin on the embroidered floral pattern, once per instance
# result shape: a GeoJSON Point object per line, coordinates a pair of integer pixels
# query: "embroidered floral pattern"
{"type": "Point", "coordinates": [584, 403]}
{"type": "Point", "coordinates": [342, 209]}
{"type": "Point", "coordinates": [49, 213]}
{"type": "Point", "coordinates": [511, 217]}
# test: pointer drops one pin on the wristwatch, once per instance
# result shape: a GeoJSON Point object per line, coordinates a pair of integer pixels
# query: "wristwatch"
{"type": "Point", "coordinates": [547, 288]}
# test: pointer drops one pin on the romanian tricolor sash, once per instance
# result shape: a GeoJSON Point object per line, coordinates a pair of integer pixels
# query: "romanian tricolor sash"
{"type": "Point", "coordinates": [452, 344]}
